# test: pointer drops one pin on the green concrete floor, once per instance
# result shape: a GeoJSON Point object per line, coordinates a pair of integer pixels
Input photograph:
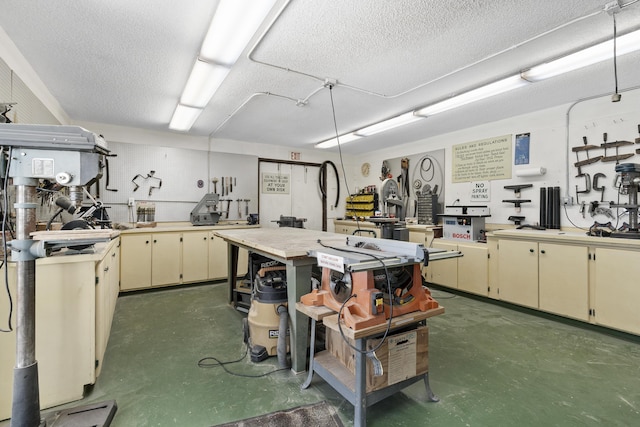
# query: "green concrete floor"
{"type": "Point", "coordinates": [490, 366]}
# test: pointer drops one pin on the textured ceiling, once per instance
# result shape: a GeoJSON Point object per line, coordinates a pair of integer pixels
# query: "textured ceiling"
{"type": "Point", "coordinates": [126, 62]}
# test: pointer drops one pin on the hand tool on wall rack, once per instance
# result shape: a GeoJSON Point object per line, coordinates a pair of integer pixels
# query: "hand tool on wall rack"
{"type": "Point", "coordinates": [586, 148]}
{"type": "Point", "coordinates": [517, 220]}
{"type": "Point", "coordinates": [106, 165]}
{"type": "Point", "coordinates": [596, 177]}
{"type": "Point", "coordinates": [222, 187]}
{"type": "Point", "coordinates": [616, 145]}
{"type": "Point", "coordinates": [517, 203]}
{"type": "Point", "coordinates": [516, 188]}
{"type": "Point", "coordinates": [230, 184]}
{"type": "Point", "coordinates": [226, 212]}
{"type": "Point", "coordinates": [215, 185]}
{"type": "Point", "coordinates": [587, 184]}
{"type": "Point", "coordinates": [239, 208]}
{"type": "Point", "coordinates": [246, 206]}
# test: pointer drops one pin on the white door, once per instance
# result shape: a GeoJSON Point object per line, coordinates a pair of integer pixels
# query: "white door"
{"type": "Point", "coordinates": [289, 190]}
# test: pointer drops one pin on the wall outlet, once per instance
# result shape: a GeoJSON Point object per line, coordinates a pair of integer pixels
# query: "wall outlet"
{"type": "Point", "coordinates": [131, 201]}
{"type": "Point", "coordinates": [567, 201]}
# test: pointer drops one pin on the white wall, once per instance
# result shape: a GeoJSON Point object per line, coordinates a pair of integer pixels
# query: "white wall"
{"type": "Point", "coordinates": [553, 132]}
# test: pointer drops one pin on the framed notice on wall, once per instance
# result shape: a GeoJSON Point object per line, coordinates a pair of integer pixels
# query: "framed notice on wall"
{"type": "Point", "coordinates": [275, 183]}
{"type": "Point", "coordinates": [482, 160]}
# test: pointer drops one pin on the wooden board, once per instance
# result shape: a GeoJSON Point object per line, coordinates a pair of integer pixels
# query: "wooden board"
{"type": "Point", "coordinates": [285, 242]}
{"type": "Point", "coordinates": [75, 234]}
{"type": "Point", "coordinates": [314, 312]}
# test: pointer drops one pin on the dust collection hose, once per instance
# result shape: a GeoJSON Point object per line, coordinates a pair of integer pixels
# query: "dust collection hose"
{"type": "Point", "coordinates": [323, 190]}
{"type": "Point", "coordinates": [281, 348]}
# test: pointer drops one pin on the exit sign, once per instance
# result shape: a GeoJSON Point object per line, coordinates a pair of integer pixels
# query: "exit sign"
{"type": "Point", "coordinates": [295, 156]}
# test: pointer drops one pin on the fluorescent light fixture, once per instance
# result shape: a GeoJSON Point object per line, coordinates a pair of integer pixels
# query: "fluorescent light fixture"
{"type": "Point", "coordinates": [589, 56]}
{"type": "Point", "coordinates": [334, 141]}
{"type": "Point", "coordinates": [184, 117]}
{"type": "Point", "coordinates": [233, 25]}
{"type": "Point", "coordinates": [389, 124]}
{"type": "Point", "coordinates": [482, 92]}
{"type": "Point", "coordinates": [204, 81]}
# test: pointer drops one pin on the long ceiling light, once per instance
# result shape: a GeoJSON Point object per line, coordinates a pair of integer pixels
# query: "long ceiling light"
{"type": "Point", "coordinates": [232, 27]}
{"type": "Point", "coordinates": [334, 141]}
{"type": "Point", "coordinates": [589, 56]}
{"type": "Point", "coordinates": [474, 95]}
{"type": "Point", "coordinates": [583, 58]}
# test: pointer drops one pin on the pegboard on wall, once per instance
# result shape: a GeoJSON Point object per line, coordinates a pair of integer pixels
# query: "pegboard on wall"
{"type": "Point", "coordinates": [594, 123]}
{"type": "Point", "coordinates": [174, 179]}
{"type": "Point", "coordinates": [424, 175]}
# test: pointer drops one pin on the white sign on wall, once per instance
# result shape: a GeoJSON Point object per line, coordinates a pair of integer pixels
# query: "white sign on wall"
{"type": "Point", "coordinates": [276, 183]}
{"type": "Point", "coordinates": [480, 191]}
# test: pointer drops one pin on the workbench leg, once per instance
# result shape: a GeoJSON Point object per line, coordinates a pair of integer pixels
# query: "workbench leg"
{"type": "Point", "coordinates": [430, 396]}
{"type": "Point", "coordinates": [232, 271]}
{"type": "Point", "coordinates": [298, 284]}
{"type": "Point", "coordinates": [312, 349]}
{"type": "Point", "coordinates": [360, 407]}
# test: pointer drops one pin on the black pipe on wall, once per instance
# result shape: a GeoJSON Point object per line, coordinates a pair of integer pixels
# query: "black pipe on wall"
{"type": "Point", "coordinates": [543, 207]}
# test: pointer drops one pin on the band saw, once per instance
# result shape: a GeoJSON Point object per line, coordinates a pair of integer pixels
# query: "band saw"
{"type": "Point", "coordinates": [368, 280]}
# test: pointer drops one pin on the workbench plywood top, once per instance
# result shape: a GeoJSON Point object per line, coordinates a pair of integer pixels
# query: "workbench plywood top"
{"type": "Point", "coordinates": [285, 242]}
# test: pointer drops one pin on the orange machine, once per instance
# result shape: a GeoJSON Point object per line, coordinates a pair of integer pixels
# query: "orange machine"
{"type": "Point", "coordinates": [363, 297]}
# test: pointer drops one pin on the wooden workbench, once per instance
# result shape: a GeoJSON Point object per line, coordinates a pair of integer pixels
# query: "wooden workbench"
{"type": "Point", "coordinates": [289, 246]}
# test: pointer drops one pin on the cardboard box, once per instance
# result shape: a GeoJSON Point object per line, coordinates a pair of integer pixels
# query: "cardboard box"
{"type": "Point", "coordinates": [402, 355]}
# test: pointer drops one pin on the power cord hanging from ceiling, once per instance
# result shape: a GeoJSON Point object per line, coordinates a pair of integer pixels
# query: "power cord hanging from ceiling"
{"type": "Point", "coordinates": [5, 222]}
{"type": "Point", "coordinates": [616, 96]}
{"type": "Point", "coordinates": [335, 128]}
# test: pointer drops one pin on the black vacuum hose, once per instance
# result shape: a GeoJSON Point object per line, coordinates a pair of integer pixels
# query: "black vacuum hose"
{"type": "Point", "coordinates": [323, 190]}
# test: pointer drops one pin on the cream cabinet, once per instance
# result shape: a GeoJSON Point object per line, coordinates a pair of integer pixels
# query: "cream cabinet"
{"type": "Point", "coordinates": [563, 280]}
{"type": "Point", "coordinates": [444, 272]}
{"type": "Point", "coordinates": [468, 273]}
{"type": "Point", "coordinates": [616, 289]}
{"type": "Point", "coordinates": [135, 261]}
{"type": "Point", "coordinates": [195, 256]}
{"type": "Point", "coordinates": [218, 252]}
{"type": "Point", "coordinates": [473, 268]}
{"type": "Point", "coordinates": [518, 272]}
{"type": "Point", "coordinates": [547, 276]}
{"type": "Point", "coordinates": [166, 251]}
{"type": "Point", "coordinates": [107, 287]}
{"type": "Point", "coordinates": [75, 299]}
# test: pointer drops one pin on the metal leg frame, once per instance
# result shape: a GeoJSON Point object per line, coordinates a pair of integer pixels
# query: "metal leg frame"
{"type": "Point", "coordinates": [359, 397]}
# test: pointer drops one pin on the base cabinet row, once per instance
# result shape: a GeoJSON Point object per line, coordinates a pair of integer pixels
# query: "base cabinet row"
{"type": "Point", "coordinates": [579, 281]}
{"type": "Point", "coordinates": [170, 258]}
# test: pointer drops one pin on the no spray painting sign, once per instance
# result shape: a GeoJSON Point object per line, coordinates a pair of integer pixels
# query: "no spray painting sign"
{"type": "Point", "coordinates": [480, 191]}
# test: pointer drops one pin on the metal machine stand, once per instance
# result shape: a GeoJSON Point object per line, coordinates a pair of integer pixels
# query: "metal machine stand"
{"type": "Point", "coordinates": [25, 410]}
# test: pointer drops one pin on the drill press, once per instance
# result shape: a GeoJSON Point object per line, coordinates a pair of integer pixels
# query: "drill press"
{"type": "Point", "coordinates": [629, 175]}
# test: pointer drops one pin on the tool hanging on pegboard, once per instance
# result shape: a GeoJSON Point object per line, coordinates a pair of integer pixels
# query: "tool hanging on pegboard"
{"type": "Point", "coordinates": [152, 179]}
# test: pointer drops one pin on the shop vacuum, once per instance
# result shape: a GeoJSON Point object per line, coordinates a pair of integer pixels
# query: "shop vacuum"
{"type": "Point", "coordinates": [266, 328]}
